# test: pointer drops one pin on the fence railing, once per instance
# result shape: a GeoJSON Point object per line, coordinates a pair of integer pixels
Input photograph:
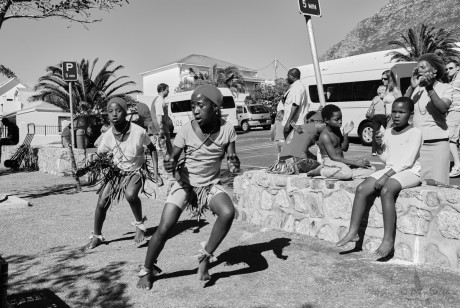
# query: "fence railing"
{"type": "Point", "coordinates": [3, 131]}
{"type": "Point", "coordinates": [46, 130]}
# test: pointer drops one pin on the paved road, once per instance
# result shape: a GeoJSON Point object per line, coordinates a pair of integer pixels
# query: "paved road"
{"type": "Point", "coordinates": [256, 151]}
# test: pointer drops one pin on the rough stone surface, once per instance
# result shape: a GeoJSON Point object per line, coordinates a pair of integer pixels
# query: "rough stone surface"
{"type": "Point", "coordinates": [449, 223]}
{"type": "Point", "coordinates": [416, 221]}
{"type": "Point", "coordinates": [434, 257]}
{"type": "Point", "coordinates": [425, 215]}
{"type": "Point", "coordinates": [338, 205]}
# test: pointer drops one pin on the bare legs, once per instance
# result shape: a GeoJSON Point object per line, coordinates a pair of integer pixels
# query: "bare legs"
{"type": "Point", "coordinates": [364, 196]}
{"type": "Point", "coordinates": [103, 204]}
{"type": "Point", "coordinates": [220, 204]}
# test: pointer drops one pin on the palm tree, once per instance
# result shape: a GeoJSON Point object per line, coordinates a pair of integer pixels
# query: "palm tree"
{"type": "Point", "coordinates": [229, 77]}
{"type": "Point", "coordinates": [89, 94]}
{"type": "Point", "coordinates": [427, 40]}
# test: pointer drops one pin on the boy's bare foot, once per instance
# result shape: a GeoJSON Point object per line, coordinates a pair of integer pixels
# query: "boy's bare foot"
{"type": "Point", "coordinates": [140, 236]}
{"type": "Point", "coordinates": [384, 249]}
{"type": "Point", "coordinates": [203, 273]}
{"type": "Point", "coordinates": [350, 237]}
{"type": "Point", "coordinates": [96, 240]}
{"type": "Point", "coordinates": [146, 281]}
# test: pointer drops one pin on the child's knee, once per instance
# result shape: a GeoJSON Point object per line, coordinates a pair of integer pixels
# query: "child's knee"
{"type": "Point", "coordinates": [130, 196]}
{"type": "Point", "coordinates": [228, 213]}
{"type": "Point", "coordinates": [387, 192]}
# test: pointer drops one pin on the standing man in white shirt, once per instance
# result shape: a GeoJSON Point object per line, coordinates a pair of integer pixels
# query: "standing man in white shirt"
{"type": "Point", "coordinates": [295, 102]}
{"type": "Point", "coordinates": [161, 113]}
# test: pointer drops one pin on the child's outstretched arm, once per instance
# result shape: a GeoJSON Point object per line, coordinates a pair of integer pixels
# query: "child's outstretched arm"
{"type": "Point", "coordinates": [233, 162]}
{"type": "Point", "coordinates": [347, 128]}
{"type": "Point", "coordinates": [154, 155]}
{"type": "Point", "coordinates": [325, 142]}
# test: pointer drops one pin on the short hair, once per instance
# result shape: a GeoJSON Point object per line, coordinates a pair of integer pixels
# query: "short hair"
{"type": "Point", "coordinates": [453, 61]}
{"type": "Point", "coordinates": [5, 121]}
{"type": "Point", "coordinates": [406, 100]}
{"type": "Point", "coordinates": [294, 72]}
{"type": "Point", "coordinates": [162, 87]}
{"type": "Point", "coordinates": [328, 111]}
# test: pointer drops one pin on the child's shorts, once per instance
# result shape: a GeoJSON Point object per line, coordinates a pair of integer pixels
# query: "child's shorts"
{"type": "Point", "coordinates": [180, 193]}
{"type": "Point", "coordinates": [406, 178]}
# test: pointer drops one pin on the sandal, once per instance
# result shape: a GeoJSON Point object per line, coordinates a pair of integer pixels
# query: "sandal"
{"type": "Point", "coordinates": [155, 271]}
{"type": "Point", "coordinates": [140, 224]}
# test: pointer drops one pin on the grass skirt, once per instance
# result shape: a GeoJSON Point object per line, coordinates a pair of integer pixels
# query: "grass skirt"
{"type": "Point", "coordinates": [103, 172]}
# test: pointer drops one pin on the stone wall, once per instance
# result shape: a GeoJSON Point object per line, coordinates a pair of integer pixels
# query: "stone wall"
{"type": "Point", "coordinates": [428, 218]}
{"type": "Point", "coordinates": [54, 160]}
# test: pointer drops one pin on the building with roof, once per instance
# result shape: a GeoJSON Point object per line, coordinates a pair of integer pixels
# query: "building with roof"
{"type": "Point", "coordinates": [47, 118]}
{"type": "Point", "coordinates": [175, 72]}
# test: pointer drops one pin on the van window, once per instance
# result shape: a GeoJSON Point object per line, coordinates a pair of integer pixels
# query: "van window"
{"type": "Point", "coordinates": [347, 91]}
{"type": "Point", "coordinates": [258, 109]}
{"type": "Point", "coordinates": [405, 84]}
{"type": "Point", "coordinates": [181, 106]}
{"type": "Point", "coordinates": [239, 109]}
{"type": "Point", "coordinates": [228, 103]}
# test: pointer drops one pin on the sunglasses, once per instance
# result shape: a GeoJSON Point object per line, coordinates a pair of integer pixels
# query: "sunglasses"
{"type": "Point", "coordinates": [384, 78]}
{"type": "Point", "coordinates": [449, 68]}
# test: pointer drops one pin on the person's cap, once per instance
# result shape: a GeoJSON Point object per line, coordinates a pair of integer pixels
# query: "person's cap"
{"type": "Point", "coordinates": [120, 101]}
{"type": "Point", "coordinates": [435, 62]}
{"type": "Point", "coordinates": [210, 92]}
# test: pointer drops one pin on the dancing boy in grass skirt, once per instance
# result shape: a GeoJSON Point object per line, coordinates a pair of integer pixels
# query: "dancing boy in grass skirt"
{"type": "Point", "coordinates": [122, 169]}
{"type": "Point", "coordinates": [205, 140]}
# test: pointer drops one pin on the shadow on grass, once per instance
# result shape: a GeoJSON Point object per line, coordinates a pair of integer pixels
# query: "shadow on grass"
{"type": "Point", "coordinates": [79, 285]}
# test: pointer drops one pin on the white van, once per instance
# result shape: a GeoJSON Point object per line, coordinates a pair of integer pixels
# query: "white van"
{"type": "Point", "coordinates": [351, 84]}
{"type": "Point", "coordinates": [180, 108]}
{"type": "Point", "coordinates": [252, 115]}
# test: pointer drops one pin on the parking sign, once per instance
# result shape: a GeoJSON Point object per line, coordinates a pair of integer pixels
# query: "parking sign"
{"type": "Point", "coordinates": [69, 71]}
{"type": "Point", "coordinates": [309, 7]}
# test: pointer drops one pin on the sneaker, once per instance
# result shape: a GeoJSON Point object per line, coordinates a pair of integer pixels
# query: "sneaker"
{"type": "Point", "coordinates": [454, 172]}
{"type": "Point", "coordinates": [374, 154]}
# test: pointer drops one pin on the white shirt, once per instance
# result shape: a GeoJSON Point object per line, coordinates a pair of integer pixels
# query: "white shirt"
{"type": "Point", "coordinates": [427, 117]}
{"type": "Point", "coordinates": [402, 149]}
{"type": "Point", "coordinates": [161, 109]}
{"type": "Point", "coordinates": [202, 162]}
{"type": "Point", "coordinates": [296, 95]}
{"type": "Point", "coordinates": [128, 154]}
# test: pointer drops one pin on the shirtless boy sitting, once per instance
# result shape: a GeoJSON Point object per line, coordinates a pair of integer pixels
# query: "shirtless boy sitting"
{"type": "Point", "coordinates": [332, 143]}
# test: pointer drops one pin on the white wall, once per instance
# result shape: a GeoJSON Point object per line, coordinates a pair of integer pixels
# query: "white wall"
{"type": "Point", "coordinates": [169, 76]}
{"type": "Point", "coordinates": [39, 118]}
{"type": "Point", "coordinates": [9, 106]}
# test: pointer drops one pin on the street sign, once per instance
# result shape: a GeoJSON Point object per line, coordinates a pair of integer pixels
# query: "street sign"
{"type": "Point", "coordinates": [309, 7]}
{"type": "Point", "coordinates": [69, 71]}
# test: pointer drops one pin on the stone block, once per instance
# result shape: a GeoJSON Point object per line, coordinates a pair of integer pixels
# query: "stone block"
{"type": "Point", "coordinates": [266, 200]}
{"type": "Point", "coordinates": [302, 226]}
{"type": "Point", "coordinates": [375, 219]}
{"type": "Point", "coordinates": [254, 196]}
{"type": "Point", "coordinates": [416, 221]}
{"type": "Point", "coordinates": [434, 257]}
{"type": "Point", "coordinates": [262, 179]}
{"type": "Point", "coordinates": [338, 205]}
{"type": "Point", "coordinates": [289, 224]}
{"type": "Point", "coordinates": [272, 221]}
{"type": "Point", "coordinates": [298, 201]}
{"type": "Point", "coordinates": [256, 218]}
{"type": "Point", "coordinates": [314, 204]}
{"type": "Point", "coordinates": [317, 184]}
{"type": "Point", "coordinates": [300, 182]}
{"type": "Point", "coordinates": [371, 243]}
{"type": "Point", "coordinates": [431, 199]}
{"type": "Point", "coordinates": [281, 199]}
{"type": "Point", "coordinates": [280, 180]}
{"type": "Point", "coordinates": [403, 252]}
{"type": "Point", "coordinates": [326, 233]}
{"type": "Point", "coordinates": [448, 221]}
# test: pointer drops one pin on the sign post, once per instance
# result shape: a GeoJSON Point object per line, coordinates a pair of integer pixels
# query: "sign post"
{"type": "Point", "coordinates": [311, 8]}
{"type": "Point", "coordinates": [69, 73]}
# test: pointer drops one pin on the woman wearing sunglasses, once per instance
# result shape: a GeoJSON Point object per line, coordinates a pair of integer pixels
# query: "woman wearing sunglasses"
{"type": "Point", "coordinates": [392, 93]}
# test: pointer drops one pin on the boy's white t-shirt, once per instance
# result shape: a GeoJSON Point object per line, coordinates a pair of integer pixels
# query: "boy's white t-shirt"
{"type": "Point", "coordinates": [202, 162]}
{"type": "Point", "coordinates": [402, 149]}
{"type": "Point", "coordinates": [128, 155]}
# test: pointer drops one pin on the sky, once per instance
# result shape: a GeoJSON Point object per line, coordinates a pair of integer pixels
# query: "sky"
{"type": "Point", "coordinates": [146, 34]}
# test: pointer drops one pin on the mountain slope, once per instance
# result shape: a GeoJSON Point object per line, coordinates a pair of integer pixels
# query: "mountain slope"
{"type": "Point", "coordinates": [374, 33]}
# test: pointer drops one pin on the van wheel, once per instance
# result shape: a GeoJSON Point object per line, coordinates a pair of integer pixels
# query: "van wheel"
{"type": "Point", "coordinates": [365, 133]}
{"type": "Point", "coordinates": [245, 126]}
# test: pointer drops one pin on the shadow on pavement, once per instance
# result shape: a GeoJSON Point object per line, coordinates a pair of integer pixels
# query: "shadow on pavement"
{"type": "Point", "coordinates": [83, 286]}
{"type": "Point", "coordinates": [251, 255]}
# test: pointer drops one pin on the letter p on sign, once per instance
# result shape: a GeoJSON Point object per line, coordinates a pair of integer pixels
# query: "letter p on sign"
{"type": "Point", "coordinates": [69, 70]}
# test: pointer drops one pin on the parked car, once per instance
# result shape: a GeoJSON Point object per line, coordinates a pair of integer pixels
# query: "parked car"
{"type": "Point", "coordinates": [253, 115]}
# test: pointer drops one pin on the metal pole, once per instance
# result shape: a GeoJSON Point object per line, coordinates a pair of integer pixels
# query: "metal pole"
{"type": "Point", "coordinates": [72, 158]}
{"type": "Point", "coordinates": [314, 55]}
